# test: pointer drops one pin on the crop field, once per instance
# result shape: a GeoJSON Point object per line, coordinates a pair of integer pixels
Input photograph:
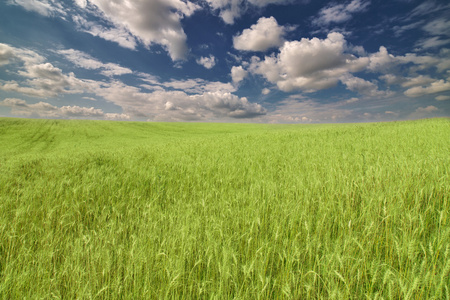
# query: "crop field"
{"type": "Point", "coordinates": [128, 210]}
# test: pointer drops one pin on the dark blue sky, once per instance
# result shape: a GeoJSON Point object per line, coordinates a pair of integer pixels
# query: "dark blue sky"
{"type": "Point", "coordinates": [280, 61]}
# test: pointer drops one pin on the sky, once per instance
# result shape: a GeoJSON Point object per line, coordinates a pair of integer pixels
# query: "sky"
{"type": "Point", "coordinates": [262, 61]}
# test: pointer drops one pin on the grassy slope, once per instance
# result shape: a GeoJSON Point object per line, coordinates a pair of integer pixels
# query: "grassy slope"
{"type": "Point", "coordinates": [112, 210]}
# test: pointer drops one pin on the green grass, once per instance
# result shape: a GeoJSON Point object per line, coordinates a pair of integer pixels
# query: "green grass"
{"type": "Point", "coordinates": [123, 210]}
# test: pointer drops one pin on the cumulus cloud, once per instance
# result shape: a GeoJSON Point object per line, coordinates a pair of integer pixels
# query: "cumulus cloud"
{"type": "Point", "coordinates": [419, 80]}
{"type": "Point", "coordinates": [207, 62]}
{"type": "Point", "coordinates": [84, 60]}
{"type": "Point", "coordinates": [263, 35]}
{"type": "Point", "coordinates": [392, 79]}
{"type": "Point", "coordinates": [361, 86]}
{"type": "Point", "coordinates": [149, 22]}
{"type": "Point", "coordinates": [339, 13]}
{"type": "Point", "coordinates": [42, 78]}
{"type": "Point", "coordinates": [9, 53]}
{"type": "Point", "coordinates": [265, 91]}
{"type": "Point", "coordinates": [20, 107]}
{"type": "Point", "coordinates": [384, 62]}
{"type": "Point", "coordinates": [381, 60]}
{"type": "Point", "coordinates": [435, 87]}
{"type": "Point", "coordinates": [309, 64]}
{"type": "Point", "coordinates": [6, 53]}
{"type": "Point", "coordinates": [192, 86]}
{"type": "Point", "coordinates": [206, 101]}
{"type": "Point", "coordinates": [182, 100]}
{"type": "Point", "coordinates": [238, 74]}
{"type": "Point", "coordinates": [177, 105]}
{"type": "Point", "coordinates": [231, 105]}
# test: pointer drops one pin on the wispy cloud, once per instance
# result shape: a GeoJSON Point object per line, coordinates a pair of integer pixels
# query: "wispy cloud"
{"type": "Point", "coordinates": [84, 60]}
{"type": "Point", "coordinates": [20, 107]}
{"type": "Point", "coordinates": [339, 12]}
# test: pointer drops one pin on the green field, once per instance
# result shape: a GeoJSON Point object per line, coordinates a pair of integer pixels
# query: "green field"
{"type": "Point", "coordinates": [128, 210]}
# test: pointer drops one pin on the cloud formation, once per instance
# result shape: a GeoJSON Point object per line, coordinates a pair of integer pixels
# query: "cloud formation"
{"type": "Point", "coordinates": [263, 35]}
{"type": "Point", "coordinates": [43, 7]}
{"type": "Point", "coordinates": [361, 86]}
{"type": "Point", "coordinates": [238, 74]}
{"type": "Point", "coordinates": [84, 60]}
{"type": "Point", "coordinates": [435, 87]}
{"type": "Point", "coordinates": [207, 62]}
{"type": "Point", "coordinates": [339, 13]}
{"type": "Point", "coordinates": [147, 22]}
{"type": "Point", "coordinates": [42, 78]}
{"type": "Point", "coordinates": [229, 10]}
{"type": "Point", "coordinates": [309, 64]}
{"type": "Point", "coordinates": [180, 100]}
{"type": "Point", "coordinates": [41, 109]}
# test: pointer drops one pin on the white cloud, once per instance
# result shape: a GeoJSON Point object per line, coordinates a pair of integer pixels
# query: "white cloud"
{"type": "Point", "coordinates": [262, 3]}
{"type": "Point", "coordinates": [9, 53]}
{"type": "Point", "coordinates": [119, 35]}
{"type": "Point", "coordinates": [384, 62]}
{"type": "Point", "coordinates": [86, 61]}
{"type": "Point", "coordinates": [352, 100]}
{"type": "Point", "coordinates": [265, 91]}
{"type": "Point", "coordinates": [361, 86]}
{"type": "Point", "coordinates": [392, 79]}
{"type": "Point", "coordinates": [442, 98]}
{"type": "Point", "coordinates": [42, 109]}
{"type": "Point", "coordinates": [193, 86]}
{"type": "Point", "coordinates": [435, 87]}
{"type": "Point", "coordinates": [81, 3]}
{"type": "Point", "coordinates": [432, 42]}
{"type": "Point", "coordinates": [309, 64]}
{"type": "Point", "coordinates": [231, 105]}
{"type": "Point", "coordinates": [157, 21]}
{"type": "Point", "coordinates": [44, 81]}
{"type": "Point", "coordinates": [439, 26]}
{"type": "Point", "coordinates": [399, 30]}
{"type": "Point", "coordinates": [381, 60]}
{"type": "Point", "coordinates": [339, 13]}
{"type": "Point", "coordinates": [43, 7]}
{"type": "Point", "coordinates": [263, 35]}
{"type": "Point", "coordinates": [438, 31]}
{"type": "Point", "coordinates": [6, 53]}
{"type": "Point", "coordinates": [428, 7]}
{"type": "Point", "coordinates": [177, 105]}
{"type": "Point", "coordinates": [229, 10]}
{"type": "Point", "coordinates": [427, 109]}
{"type": "Point", "coordinates": [207, 62]}
{"type": "Point", "coordinates": [419, 80]}
{"type": "Point", "coordinates": [424, 112]}
{"type": "Point", "coordinates": [183, 100]}
{"type": "Point", "coordinates": [238, 74]}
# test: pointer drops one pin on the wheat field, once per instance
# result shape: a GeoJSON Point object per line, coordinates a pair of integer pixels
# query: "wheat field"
{"type": "Point", "coordinates": [128, 210]}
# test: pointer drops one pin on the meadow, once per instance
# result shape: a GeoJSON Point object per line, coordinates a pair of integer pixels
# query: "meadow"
{"type": "Point", "coordinates": [129, 210]}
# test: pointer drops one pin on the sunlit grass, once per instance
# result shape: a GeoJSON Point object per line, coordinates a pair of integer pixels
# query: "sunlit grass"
{"type": "Point", "coordinates": [111, 210]}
